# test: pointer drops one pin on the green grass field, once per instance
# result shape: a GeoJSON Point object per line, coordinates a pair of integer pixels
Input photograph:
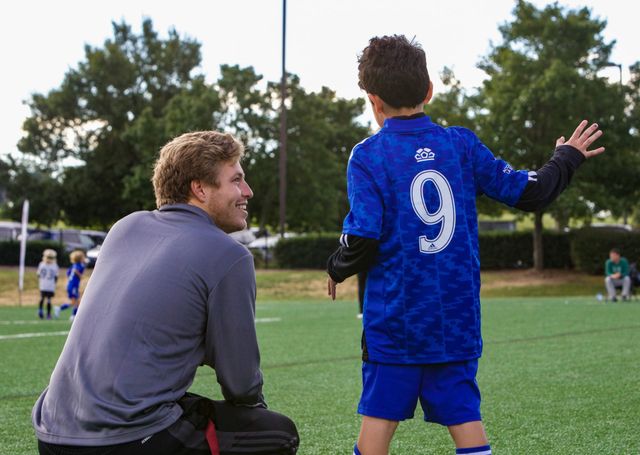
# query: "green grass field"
{"type": "Point", "coordinates": [559, 376]}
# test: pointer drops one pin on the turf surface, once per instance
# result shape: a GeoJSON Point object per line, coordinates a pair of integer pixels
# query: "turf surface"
{"type": "Point", "coordinates": [559, 376]}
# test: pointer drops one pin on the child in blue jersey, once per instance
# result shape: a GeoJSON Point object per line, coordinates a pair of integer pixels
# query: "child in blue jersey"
{"type": "Point", "coordinates": [412, 226]}
{"type": "Point", "coordinates": [74, 276]}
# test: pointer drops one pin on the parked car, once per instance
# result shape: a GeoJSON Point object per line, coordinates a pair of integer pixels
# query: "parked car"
{"type": "Point", "coordinates": [92, 255]}
{"type": "Point", "coordinates": [246, 236]}
{"type": "Point", "coordinates": [266, 242]}
{"type": "Point", "coordinates": [9, 230]}
{"type": "Point", "coordinates": [97, 236]}
{"type": "Point", "coordinates": [71, 239]}
{"type": "Point", "coordinates": [612, 227]}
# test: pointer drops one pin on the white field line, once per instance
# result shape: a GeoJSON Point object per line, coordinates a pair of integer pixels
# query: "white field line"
{"type": "Point", "coordinates": [64, 320]}
{"type": "Point", "coordinates": [31, 321]}
{"type": "Point", "coordinates": [66, 332]}
{"type": "Point", "coordinates": [33, 335]}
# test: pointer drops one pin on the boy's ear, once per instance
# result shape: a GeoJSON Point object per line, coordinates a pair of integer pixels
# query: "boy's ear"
{"type": "Point", "coordinates": [197, 190]}
{"type": "Point", "coordinates": [429, 93]}
{"type": "Point", "coordinates": [376, 102]}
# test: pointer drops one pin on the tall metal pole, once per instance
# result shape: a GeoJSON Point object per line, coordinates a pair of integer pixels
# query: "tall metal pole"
{"type": "Point", "coordinates": [625, 216]}
{"type": "Point", "coordinates": [283, 126]}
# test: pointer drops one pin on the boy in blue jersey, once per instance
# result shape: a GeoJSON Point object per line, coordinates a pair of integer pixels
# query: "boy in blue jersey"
{"type": "Point", "coordinates": [412, 225]}
{"type": "Point", "coordinates": [74, 276]}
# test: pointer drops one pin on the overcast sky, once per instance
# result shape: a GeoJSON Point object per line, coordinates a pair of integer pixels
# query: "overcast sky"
{"type": "Point", "coordinates": [41, 39]}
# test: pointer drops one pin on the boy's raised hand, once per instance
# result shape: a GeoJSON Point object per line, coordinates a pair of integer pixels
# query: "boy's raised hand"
{"type": "Point", "coordinates": [582, 138]}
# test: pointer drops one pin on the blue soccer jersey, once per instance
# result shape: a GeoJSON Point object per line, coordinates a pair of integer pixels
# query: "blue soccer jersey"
{"type": "Point", "coordinates": [413, 187]}
{"type": "Point", "coordinates": [73, 278]}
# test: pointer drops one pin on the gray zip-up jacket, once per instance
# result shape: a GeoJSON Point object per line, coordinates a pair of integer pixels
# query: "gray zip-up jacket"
{"type": "Point", "coordinates": [170, 292]}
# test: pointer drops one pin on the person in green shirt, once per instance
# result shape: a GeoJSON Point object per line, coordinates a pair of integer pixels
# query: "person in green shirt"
{"type": "Point", "coordinates": [616, 271]}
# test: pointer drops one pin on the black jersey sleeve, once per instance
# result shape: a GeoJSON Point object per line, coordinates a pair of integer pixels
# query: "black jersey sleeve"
{"type": "Point", "coordinates": [546, 184]}
{"type": "Point", "coordinates": [355, 255]}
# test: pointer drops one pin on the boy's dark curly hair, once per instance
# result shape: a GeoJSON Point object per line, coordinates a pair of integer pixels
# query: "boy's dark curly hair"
{"type": "Point", "coordinates": [395, 69]}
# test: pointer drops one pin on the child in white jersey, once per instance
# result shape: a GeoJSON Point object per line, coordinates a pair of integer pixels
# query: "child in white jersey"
{"type": "Point", "coordinates": [47, 279]}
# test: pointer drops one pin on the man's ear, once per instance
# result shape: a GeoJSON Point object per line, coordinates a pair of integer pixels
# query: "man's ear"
{"type": "Point", "coordinates": [429, 93]}
{"type": "Point", "coordinates": [197, 190]}
{"type": "Point", "coordinates": [376, 102]}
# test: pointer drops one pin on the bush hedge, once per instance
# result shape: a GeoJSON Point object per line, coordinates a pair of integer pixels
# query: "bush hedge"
{"type": "Point", "coordinates": [307, 251]}
{"type": "Point", "coordinates": [10, 252]}
{"type": "Point", "coordinates": [511, 250]}
{"type": "Point", "coordinates": [497, 250]}
{"type": "Point", "coordinates": [590, 248]}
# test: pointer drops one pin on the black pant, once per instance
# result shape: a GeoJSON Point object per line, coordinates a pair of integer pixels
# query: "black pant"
{"type": "Point", "coordinates": [239, 430]}
{"type": "Point", "coordinates": [46, 295]}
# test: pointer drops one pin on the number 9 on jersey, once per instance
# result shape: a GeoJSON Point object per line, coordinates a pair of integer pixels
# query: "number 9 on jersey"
{"type": "Point", "coordinates": [445, 214]}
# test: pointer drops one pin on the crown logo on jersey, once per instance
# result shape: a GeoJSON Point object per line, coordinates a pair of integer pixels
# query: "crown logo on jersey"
{"type": "Point", "coordinates": [424, 154]}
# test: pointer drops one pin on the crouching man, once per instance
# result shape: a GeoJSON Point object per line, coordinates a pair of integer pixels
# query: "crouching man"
{"type": "Point", "coordinates": [170, 291]}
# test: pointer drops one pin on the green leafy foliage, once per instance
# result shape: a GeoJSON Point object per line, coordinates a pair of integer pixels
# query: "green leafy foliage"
{"type": "Point", "coordinates": [590, 248]}
{"type": "Point", "coordinates": [498, 250]}
{"type": "Point", "coordinates": [126, 99]}
{"type": "Point", "coordinates": [32, 182]}
{"type": "Point", "coordinates": [543, 79]}
{"type": "Point", "coordinates": [10, 252]}
{"type": "Point", "coordinates": [306, 252]}
{"type": "Point", "coordinates": [509, 250]}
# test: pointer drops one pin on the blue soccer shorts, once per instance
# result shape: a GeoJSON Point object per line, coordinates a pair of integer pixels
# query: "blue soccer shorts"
{"type": "Point", "coordinates": [448, 392]}
{"type": "Point", "coordinates": [73, 292]}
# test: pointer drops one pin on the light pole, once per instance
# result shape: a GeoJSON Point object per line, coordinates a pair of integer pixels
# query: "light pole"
{"type": "Point", "coordinates": [283, 126]}
{"type": "Point", "coordinates": [625, 217]}
{"type": "Point", "coordinates": [618, 65]}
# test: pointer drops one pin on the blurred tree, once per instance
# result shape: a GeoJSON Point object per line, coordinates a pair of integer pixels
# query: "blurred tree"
{"type": "Point", "coordinates": [27, 180]}
{"type": "Point", "coordinates": [632, 94]}
{"type": "Point", "coordinates": [542, 81]}
{"type": "Point", "coordinates": [4, 181]}
{"type": "Point", "coordinates": [193, 108]}
{"type": "Point", "coordinates": [114, 96]}
{"type": "Point", "coordinates": [454, 106]}
{"type": "Point", "coordinates": [322, 128]}
{"type": "Point", "coordinates": [101, 130]}
{"type": "Point", "coordinates": [451, 106]}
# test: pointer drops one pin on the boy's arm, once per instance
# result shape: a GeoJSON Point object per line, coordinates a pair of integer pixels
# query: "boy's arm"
{"type": "Point", "coordinates": [355, 255]}
{"type": "Point", "coordinates": [361, 228]}
{"type": "Point", "coordinates": [545, 185]}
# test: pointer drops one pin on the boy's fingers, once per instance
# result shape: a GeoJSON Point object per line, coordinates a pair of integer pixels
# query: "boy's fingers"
{"type": "Point", "coordinates": [595, 152]}
{"type": "Point", "coordinates": [560, 141]}
{"type": "Point", "coordinates": [578, 130]}
{"type": "Point", "coordinates": [331, 288]}
{"type": "Point", "coordinates": [591, 139]}
{"type": "Point", "coordinates": [588, 132]}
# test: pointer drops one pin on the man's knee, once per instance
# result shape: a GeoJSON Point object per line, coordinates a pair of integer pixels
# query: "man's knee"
{"type": "Point", "coordinates": [240, 428]}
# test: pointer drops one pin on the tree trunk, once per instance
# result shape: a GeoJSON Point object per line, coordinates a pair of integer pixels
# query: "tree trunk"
{"type": "Point", "coordinates": [538, 256]}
